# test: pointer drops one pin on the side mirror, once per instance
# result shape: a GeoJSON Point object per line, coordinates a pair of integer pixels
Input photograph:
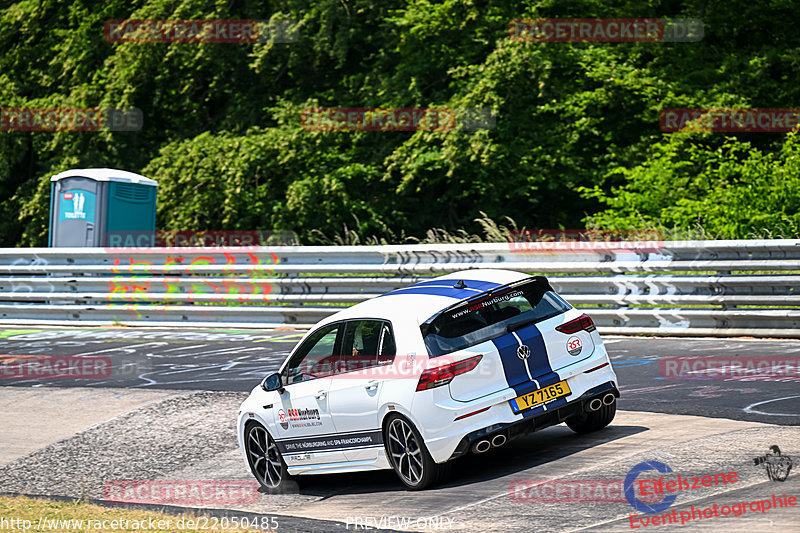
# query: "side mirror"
{"type": "Point", "coordinates": [272, 382]}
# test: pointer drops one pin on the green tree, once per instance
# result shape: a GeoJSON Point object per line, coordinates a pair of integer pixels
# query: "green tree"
{"type": "Point", "coordinates": [728, 188]}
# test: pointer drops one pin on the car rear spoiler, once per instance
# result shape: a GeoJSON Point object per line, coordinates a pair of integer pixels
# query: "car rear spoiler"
{"type": "Point", "coordinates": [538, 281]}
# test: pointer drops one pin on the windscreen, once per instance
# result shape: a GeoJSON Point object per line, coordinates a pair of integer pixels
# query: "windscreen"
{"type": "Point", "coordinates": [492, 315]}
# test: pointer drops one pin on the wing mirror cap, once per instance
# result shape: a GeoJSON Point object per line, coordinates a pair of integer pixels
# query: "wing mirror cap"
{"type": "Point", "coordinates": [272, 382]}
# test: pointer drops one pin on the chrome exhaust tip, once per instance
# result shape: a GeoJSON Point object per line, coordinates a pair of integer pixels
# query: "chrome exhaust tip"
{"type": "Point", "coordinates": [594, 405]}
{"type": "Point", "coordinates": [481, 446]}
{"type": "Point", "coordinates": [498, 440]}
{"type": "Point", "coordinates": [609, 398]}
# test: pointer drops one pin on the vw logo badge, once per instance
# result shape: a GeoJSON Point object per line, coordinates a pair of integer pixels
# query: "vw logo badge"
{"type": "Point", "coordinates": [523, 352]}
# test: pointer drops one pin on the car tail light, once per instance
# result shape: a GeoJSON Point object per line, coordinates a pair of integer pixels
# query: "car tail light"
{"type": "Point", "coordinates": [582, 322]}
{"type": "Point", "coordinates": [442, 375]}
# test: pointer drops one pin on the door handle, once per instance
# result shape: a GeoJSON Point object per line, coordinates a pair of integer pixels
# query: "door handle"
{"type": "Point", "coordinates": [372, 385]}
{"type": "Point", "coordinates": [321, 395]}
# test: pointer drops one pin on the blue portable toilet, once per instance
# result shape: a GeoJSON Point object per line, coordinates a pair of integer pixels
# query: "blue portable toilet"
{"type": "Point", "coordinates": [101, 207]}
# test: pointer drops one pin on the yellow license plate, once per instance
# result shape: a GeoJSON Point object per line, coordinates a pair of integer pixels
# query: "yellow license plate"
{"type": "Point", "coordinates": [540, 396]}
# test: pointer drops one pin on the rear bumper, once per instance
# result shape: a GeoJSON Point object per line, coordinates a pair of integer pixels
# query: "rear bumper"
{"type": "Point", "coordinates": [444, 422]}
{"type": "Point", "coordinates": [542, 420]}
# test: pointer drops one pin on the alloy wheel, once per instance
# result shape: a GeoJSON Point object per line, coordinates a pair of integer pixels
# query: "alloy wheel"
{"type": "Point", "coordinates": [406, 451]}
{"type": "Point", "coordinates": [264, 457]}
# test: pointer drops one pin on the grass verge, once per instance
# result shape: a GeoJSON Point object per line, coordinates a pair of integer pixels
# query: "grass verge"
{"type": "Point", "coordinates": [23, 514]}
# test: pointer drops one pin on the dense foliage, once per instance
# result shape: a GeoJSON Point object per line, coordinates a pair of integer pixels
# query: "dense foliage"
{"type": "Point", "coordinates": [576, 140]}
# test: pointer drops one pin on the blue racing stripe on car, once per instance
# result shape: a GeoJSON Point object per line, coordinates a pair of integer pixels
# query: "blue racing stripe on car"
{"type": "Point", "coordinates": [444, 287]}
{"type": "Point", "coordinates": [470, 283]}
{"type": "Point", "coordinates": [525, 375]}
{"type": "Point", "coordinates": [513, 367]}
{"type": "Point", "coordinates": [450, 292]}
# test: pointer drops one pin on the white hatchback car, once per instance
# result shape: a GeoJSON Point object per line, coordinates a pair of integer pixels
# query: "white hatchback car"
{"type": "Point", "coordinates": [421, 375]}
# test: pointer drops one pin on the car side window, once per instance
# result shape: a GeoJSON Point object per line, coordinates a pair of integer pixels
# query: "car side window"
{"type": "Point", "coordinates": [363, 345]}
{"type": "Point", "coordinates": [315, 358]}
{"type": "Point", "coordinates": [388, 347]}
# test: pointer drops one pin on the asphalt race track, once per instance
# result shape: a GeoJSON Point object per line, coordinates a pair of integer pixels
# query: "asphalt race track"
{"type": "Point", "coordinates": [225, 360]}
{"type": "Point", "coordinates": [162, 407]}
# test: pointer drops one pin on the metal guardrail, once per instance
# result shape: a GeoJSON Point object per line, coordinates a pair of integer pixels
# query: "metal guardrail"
{"type": "Point", "coordinates": [666, 288]}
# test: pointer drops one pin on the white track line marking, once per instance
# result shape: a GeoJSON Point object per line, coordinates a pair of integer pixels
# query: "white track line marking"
{"type": "Point", "coordinates": [749, 408]}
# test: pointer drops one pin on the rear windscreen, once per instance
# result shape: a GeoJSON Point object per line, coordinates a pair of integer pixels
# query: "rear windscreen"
{"type": "Point", "coordinates": [492, 315]}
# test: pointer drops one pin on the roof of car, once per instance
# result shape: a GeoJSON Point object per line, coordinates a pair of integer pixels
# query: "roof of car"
{"type": "Point", "coordinates": [424, 299]}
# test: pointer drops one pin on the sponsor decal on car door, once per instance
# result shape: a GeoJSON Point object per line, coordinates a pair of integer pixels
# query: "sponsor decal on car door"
{"type": "Point", "coordinates": [367, 346]}
{"type": "Point", "coordinates": [304, 423]}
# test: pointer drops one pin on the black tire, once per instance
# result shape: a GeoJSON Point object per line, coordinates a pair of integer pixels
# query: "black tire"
{"type": "Point", "coordinates": [589, 422]}
{"type": "Point", "coordinates": [266, 462]}
{"type": "Point", "coordinates": [408, 455]}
